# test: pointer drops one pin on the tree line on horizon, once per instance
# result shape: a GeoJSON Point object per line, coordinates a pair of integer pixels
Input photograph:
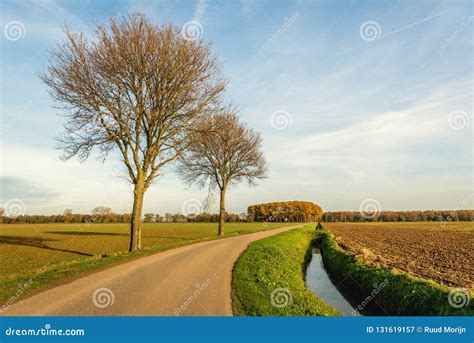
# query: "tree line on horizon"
{"type": "Point", "coordinates": [101, 215]}
{"type": "Point", "coordinates": [400, 216]}
{"type": "Point", "coordinates": [277, 212]}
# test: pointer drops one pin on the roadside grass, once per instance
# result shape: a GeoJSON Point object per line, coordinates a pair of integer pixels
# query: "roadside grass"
{"type": "Point", "coordinates": [268, 279]}
{"type": "Point", "coordinates": [401, 294]}
{"type": "Point", "coordinates": [37, 256]}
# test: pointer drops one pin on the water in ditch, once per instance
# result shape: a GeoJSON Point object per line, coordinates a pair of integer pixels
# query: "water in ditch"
{"type": "Point", "coordinates": [319, 282]}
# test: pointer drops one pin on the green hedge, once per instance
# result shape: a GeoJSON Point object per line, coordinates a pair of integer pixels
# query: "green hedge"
{"type": "Point", "coordinates": [268, 279]}
{"type": "Point", "coordinates": [402, 294]}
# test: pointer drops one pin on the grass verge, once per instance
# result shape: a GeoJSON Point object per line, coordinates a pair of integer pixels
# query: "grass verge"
{"type": "Point", "coordinates": [268, 279]}
{"type": "Point", "coordinates": [401, 294]}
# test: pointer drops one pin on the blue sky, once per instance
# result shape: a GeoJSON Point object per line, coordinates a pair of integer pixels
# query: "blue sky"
{"type": "Point", "coordinates": [355, 100]}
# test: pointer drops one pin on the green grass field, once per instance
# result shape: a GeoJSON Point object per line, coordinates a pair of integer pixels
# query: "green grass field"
{"type": "Point", "coordinates": [268, 279]}
{"type": "Point", "coordinates": [50, 253]}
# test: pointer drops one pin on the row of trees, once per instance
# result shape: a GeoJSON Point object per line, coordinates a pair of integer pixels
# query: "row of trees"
{"type": "Point", "coordinates": [108, 216]}
{"type": "Point", "coordinates": [291, 211]}
{"type": "Point", "coordinates": [271, 212]}
{"type": "Point", "coordinates": [153, 97]}
{"type": "Point", "coordinates": [400, 216]}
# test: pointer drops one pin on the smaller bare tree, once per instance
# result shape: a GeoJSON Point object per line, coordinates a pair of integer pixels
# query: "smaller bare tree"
{"type": "Point", "coordinates": [222, 152]}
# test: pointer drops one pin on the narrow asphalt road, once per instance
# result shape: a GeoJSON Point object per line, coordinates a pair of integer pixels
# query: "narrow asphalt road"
{"type": "Point", "coordinates": [194, 280]}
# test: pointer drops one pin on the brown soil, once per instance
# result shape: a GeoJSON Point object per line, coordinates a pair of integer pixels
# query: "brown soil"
{"type": "Point", "coordinates": [436, 251]}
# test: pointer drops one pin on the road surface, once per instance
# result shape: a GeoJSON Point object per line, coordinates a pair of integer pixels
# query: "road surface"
{"type": "Point", "coordinates": [194, 280]}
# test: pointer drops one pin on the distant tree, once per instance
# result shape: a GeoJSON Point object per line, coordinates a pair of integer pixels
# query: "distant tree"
{"type": "Point", "coordinates": [222, 152]}
{"type": "Point", "coordinates": [132, 88]}
{"type": "Point", "coordinates": [68, 216]}
{"type": "Point", "coordinates": [149, 218]}
{"type": "Point", "coordinates": [101, 211]}
{"type": "Point", "coordinates": [102, 214]}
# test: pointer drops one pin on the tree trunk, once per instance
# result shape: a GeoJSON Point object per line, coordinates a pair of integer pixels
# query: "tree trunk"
{"type": "Point", "coordinates": [135, 232]}
{"type": "Point", "coordinates": [222, 213]}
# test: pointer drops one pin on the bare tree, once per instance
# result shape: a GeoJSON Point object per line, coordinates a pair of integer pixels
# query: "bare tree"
{"type": "Point", "coordinates": [133, 88]}
{"type": "Point", "coordinates": [222, 152]}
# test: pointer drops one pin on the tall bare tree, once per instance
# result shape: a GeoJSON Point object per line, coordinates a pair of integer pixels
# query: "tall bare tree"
{"type": "Point", "coordinates": [133, 88]}
{"type": "Point", "coordinates": [222, 152]}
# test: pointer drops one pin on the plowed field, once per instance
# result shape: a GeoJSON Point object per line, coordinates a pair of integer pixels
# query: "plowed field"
{"type": "Point", "coordinates": [440, 252]}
